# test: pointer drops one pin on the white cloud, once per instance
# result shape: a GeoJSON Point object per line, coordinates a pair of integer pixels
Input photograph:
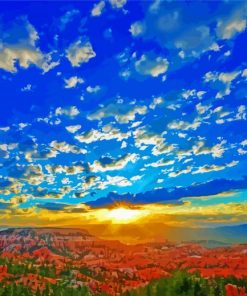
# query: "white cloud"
{"type": "Point", "coordinates": [180, 172]}
{"type": "Point", "coordinates": [22, 125]}
{"type": "Point", "coordinates": [90, 182]}
{"type": "Point", "coordinates": [4, 129]}
{"type": "Point", "coordinates": [136, 178]}
{"type": "Point", "coordinates": [93, 89]}
{"type": "Point", "coordinates": [118, 181]}
{"type": "Point", "coordinates": [80, 52]}
{"type": "Point", "coordinates": [121, 113]}
{"type": "Point", "coordinates": [188, 93]}
{"type": "Point", "coordinates": [184, 125]}
{"type": "Point", "coordinates": [73, 128]}
{"type": "Point", "coordinates": [27, 88]}
{"type": "Point", "coordinates": [69, 111]}
{"type": "Point", "coordinates": [98, 8]}
{"type": "Point", "coordinates": [59, 169]}
{"type": "Point", "coordinates": [233, 24]}
{"type": "Point", "coordinates": [118, 164]}
{"type": "Point", "coordinates": [213, 167]}
{"type": "Point", "coordinates": [225, 78]}
{"type": "Point", "coordinates": [173, 106]}
{"type": "Point", "coordinates": [37, 155]}
{"type": "Point", "coordinates": [68, 17]}
{"type": "Point", "coordinates": [174, 28]}
{"type": "Point", "coordinates": [106, 134]}
{"type": "Point", "coordinates": [125, 74]}
{"type": "Point", "coordinates": [65, 181]}
{"type": "Point", "coordinates": [123, 145]}
{"type": "Point", "coordinates": [73, 81]}
{"type": "Point", "coordinates": [154, 5]}
{"type": "Point", "coordinates": [228, 77]}
{"type": "Point", "coordinates": [244, 73]}
{"type": "Point", "coordinates": [137, 29]}
{"type": "Point", "coordinates": [117, 4]}
{"type": "Point", "coordinates": [239, 115]}
{"type": "Point", "coordinates": [182, 135]}
{"type": "Point", "coordinates": [64, 147]}
{"type": "Point", "coordinates": [149, 65]}
{"type": "Point", "coordinates": [24, 51]}
{"type": "Point", "coordinates": [244, 142]}
{"type": "Point", "coordinates": [25, 58]}
{"type": "Point", "coordinates": [156, 101]}
{"type": "Point", "coordinates": [199, 148]}
{"type": "Point", "coordinates": [162, 149]}
{"type": "Point", "coordinates": [216, 151]}
{"type": "Point", "coordinates": [201, 109]}
{"type": "Point", "coordinates": [241, 151]}
{"type": "Point", "coordinates": [160, 163]}
{"type": "Point", "coordinates": [131, 114]}
{"type": "Point", "coordinates": [135, 124]}
{"type": "Point", "coordinates": [143, 137]}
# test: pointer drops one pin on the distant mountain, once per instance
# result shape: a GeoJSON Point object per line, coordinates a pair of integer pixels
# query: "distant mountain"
{"type": "Point", "coordinates": [235, 230]}
{"type": "Point", "coordinates": [227, 234]}
{"type": "Point", "coordinates": [62, 240]}
{"type": "Point", "coordinates": [209, 244]}
{"type": "Point", "coordinates": [132, 233]}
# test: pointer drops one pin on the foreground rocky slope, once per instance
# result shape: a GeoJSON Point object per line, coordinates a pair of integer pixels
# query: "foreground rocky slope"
{"type": "Point", "coordinates": [43, 258]}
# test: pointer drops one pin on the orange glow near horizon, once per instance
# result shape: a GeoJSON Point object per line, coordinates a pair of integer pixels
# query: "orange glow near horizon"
{"type": "Point", "coordinates": [124, 215]}
{"type": "Point", "coordinates": [109, 222]}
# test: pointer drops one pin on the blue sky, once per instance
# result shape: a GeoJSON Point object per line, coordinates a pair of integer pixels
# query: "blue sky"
{"type": "Point", "coordinates": [121, 101]}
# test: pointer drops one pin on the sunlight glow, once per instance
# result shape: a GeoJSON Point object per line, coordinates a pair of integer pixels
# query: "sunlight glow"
{"type": "Point", "coordinates": [124, 215]}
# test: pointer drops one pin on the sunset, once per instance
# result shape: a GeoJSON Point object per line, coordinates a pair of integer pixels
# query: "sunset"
{"type": "Point", "coordinates": [123, 144]}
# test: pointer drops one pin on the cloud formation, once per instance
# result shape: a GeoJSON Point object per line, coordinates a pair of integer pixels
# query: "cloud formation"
{"type": "Point", "coordinates": [22, 49]}
{"type": "Point", "coordinates": [80, 52]}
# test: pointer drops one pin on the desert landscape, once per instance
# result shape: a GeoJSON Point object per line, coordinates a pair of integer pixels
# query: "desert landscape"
{"type": "Point", "coordinates": [53, 261]}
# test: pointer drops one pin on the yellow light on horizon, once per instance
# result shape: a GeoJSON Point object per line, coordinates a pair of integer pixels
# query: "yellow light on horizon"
{"type": "Point", "coordinates": [124, 215]}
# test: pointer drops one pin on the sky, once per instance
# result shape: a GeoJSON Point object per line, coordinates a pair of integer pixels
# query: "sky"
{"type": "Point", "coordinates": [123, 112]}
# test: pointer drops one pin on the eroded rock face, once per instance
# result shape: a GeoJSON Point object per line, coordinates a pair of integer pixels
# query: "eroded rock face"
{"type": "Point", "coordinates": [22, 240]}
{"type": "Point", "coordinates": [75, 255]}
{"type": "Point", "coordinates": [233, 290]}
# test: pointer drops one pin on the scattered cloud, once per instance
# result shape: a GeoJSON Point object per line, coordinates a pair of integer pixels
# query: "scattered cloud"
{"type": "Point", "coordinates": [27, 88]}
{"type": "Point", "coordinates": [98, 8]}
{"type": "Point", "coordinates": [233, 23]}
{"type": "Point", "coordinates": [69, 111]}
{"type": "Point", "coordinates": [150, 65]}
{"type": "Point", "coordinates": [80, 52]}
{"type": "Point", "coordinates": [64, 147]}
{"type": "Point", "coordinates": [137, 29]}
{"type": "Point", "coordinates": [73, 81]}
{"type": "Point", "coordinates": [184, 125]}
{"type": "Point", "coordinates": [160, 163]}
{"type": "Point", "coordinates": [73, 128]}
{"type": "Point", "coordinates": [221, 81]}
{"type": "Point", "coordinates": [93, 89]}
{"type": "Point", "coordinates": [20, 49]}
{"type": "Point", "coordinates": [68, 17]}
{"type": "Point", "coordinates": [108, 133]}
{"type": "Point", "coordinates": [108, 164]}
{"type": "Point", "coordinates": [180, 172]}
{"type": "Point", "coordinates": [121, 113]}
{"type": "Point", "coordinates": [213, 167]}
{"type": "Point", "coordinates": [117, 4]}
{"type": "Point", "coordinates": [65, 169]}
{"type": "Point", "coordinates": [118, 181]}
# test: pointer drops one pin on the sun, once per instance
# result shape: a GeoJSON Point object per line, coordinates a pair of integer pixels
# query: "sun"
{"type": "Point", "coordinates": [124, 215]}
